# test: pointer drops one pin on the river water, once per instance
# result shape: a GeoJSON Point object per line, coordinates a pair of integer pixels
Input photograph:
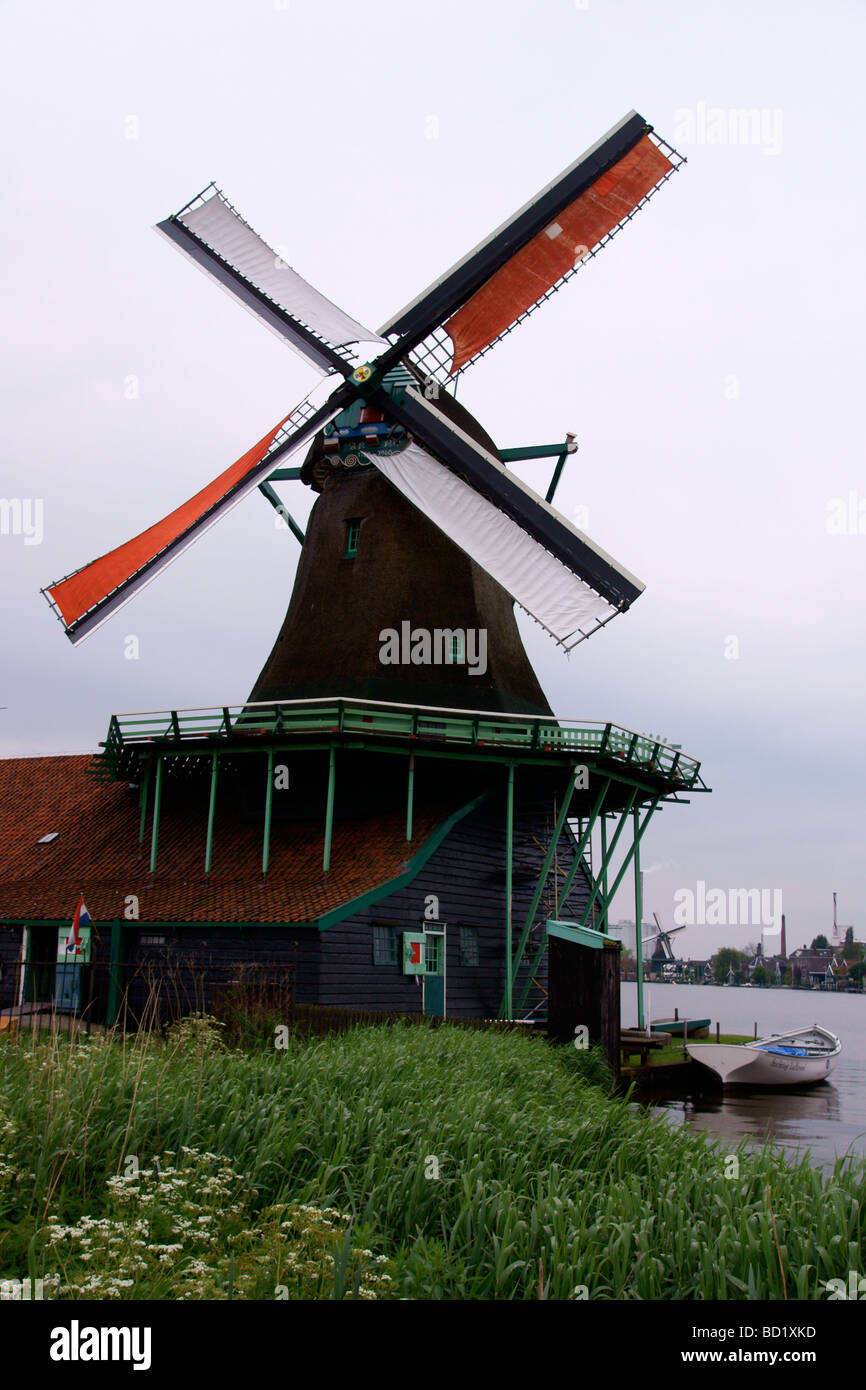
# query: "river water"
{"type": "Point", "coordinates": [827, 1120]}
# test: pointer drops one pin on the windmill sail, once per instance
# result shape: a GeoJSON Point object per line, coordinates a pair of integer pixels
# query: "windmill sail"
{"type": "Point", "coordinates": [84, 599]}
{"type": "Point", "coordinates": [478, 301]}
{"type": "Point", "coordinates": [556, 592]}
{"type": "Point", "coordinates": [565, 581]}
{"type": "Point", "coordinates": [218, 240]}
{"type": "Point", "coordinates": [584, 587]}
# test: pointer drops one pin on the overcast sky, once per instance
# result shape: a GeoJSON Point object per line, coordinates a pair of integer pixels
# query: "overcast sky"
{"type": "Point", "coordinates": [710, 361]}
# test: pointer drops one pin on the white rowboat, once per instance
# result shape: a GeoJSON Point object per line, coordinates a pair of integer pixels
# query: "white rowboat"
{"type": "Point", "coordinates": [798, 1058]}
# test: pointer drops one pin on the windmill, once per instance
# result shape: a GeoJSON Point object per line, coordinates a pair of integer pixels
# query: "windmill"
{"type": "Point", "coordinates": [392, 416]}
{"type": "Point", "coordinates": [663, 952]}
{"type": "Point", "coordinates": [420, 542]}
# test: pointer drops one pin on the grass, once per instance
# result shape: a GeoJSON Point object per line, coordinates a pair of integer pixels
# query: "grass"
{"type": "Point", "coordinates": [388, 1161]}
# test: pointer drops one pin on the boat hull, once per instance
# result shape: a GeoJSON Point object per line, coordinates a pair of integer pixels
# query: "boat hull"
{"type": "Point", "coordinates": [736, 1065]}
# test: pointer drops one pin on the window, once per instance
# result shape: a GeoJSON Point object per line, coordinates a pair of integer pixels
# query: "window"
{"type": "Point", "coordinates": [458, 648]}
{"type": "Point", "coordinates": [433, 953]}
{"type": "Point", "coordinates": [353, 531]}
{"type": "Point", "coordinates": [468, 948]}
{"type": "Point", "coordinates": [384, 944]}
{"type": "Point", "coordinates": [151, 940]}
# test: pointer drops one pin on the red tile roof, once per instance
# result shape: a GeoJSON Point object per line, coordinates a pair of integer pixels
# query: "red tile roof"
{"type": "Point", "coordinates": [97, 853]}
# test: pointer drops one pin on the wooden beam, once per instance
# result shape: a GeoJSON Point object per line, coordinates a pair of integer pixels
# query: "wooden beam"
{"type": "Point", "coordinates": [329, 810]}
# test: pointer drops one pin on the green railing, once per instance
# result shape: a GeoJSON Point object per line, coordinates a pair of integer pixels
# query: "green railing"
{"type": "Point", "coordinates": [464, 728]}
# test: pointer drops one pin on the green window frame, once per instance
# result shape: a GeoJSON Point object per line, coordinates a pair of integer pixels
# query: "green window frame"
{"type": "Point", "coordinates": [384, 944]}
{"type": "Point", "coordinates": [353, 533]}
{"type": "Point", "coordinates": [468, 951]}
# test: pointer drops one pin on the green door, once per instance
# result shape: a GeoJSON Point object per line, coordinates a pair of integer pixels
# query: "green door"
{"type": "Point", "coordinates": [434, 974]}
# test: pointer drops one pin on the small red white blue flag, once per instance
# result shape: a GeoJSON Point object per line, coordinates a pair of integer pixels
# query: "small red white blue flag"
{"type": "Point", "coordinates": [81, 919]}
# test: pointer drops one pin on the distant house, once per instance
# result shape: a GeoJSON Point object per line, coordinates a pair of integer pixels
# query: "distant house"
{"type": "Point", "coordinates": [775, 966]}
{"type": "Point", "coordinates": [698, 970]}
{"type": "Point", "coordinates": [839, 970]}
{"type": "Point", "coordinates": [821, 967]}
{"type": "Point", "coordinates": [757, 960]}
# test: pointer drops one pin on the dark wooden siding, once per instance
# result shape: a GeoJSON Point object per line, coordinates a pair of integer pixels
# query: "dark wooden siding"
{"type": "Point", "coordinates": [196, 961]}
{"type": "Point", "coordinates": [585, 991]}
{"type": "Point", "coordinates": [10, 948]}
{"type": "Point", "coordinates": [467, 875]}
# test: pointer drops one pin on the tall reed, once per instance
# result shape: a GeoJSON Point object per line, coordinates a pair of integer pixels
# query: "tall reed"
{"type": "Point", "coordinates": [465, 1157]}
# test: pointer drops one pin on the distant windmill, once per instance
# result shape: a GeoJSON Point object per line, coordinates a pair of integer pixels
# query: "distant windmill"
{"type": "Point", "coordinates": [663, 950]}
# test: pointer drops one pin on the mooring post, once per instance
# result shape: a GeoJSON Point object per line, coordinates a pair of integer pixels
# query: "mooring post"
{"type": "Point", "coordinates": [638, 916]}
{"type": "Point", "coordinates": [509, 851]}
{"type": "Point", "coordinates": [329, 809]}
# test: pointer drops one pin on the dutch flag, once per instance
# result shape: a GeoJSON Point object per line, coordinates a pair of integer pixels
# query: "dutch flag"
{"type": "Point", "coordinates": [81, 919]}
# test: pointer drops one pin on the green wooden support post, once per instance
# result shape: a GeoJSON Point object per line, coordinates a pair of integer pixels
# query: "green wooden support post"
{"type": "Point", "coordinates": [569, 880]}
{"type": "Point", "coordinates": [557, 473]}
{"type": "Point", "coordinates": [631, 853]}
{"type": "Point", "coordinates": [584, 840]}
{"type": "Point", "coordinates": [538, 451]}
{"type": "Point", "coordinates": [410, 797]}
{"type": "Point", "coordinates": [607, 858]}
{"type": "Point", "coordinates": [542, 877]}
{"type": "Point", "coordinates": [329, 809]}
{"type": "Point", "coordinates": [638, 917]}
{"type": "Point", "coordinates": [604, 864]}
{"type": "Point", "coordinates": [609, 897]}
{"type": "Point", "coordinates": [142, 803]}
{"type": "Point", "coordinates": [157, 806]}
{"type": "Point", "coordinates": [115, 967]}
{"type": "Point", "coordinates": [282, 475]}
{"type": "Point", "coordinates": [269, 802]}
{"type": "Point", "coordinates": [211, 811]}
{"type": "Point", "coordinates": [273, 498]}
{"type": "Point", "coordinates": [533, 966]}
{"type": "Point", "coordinates": [509, 865]}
